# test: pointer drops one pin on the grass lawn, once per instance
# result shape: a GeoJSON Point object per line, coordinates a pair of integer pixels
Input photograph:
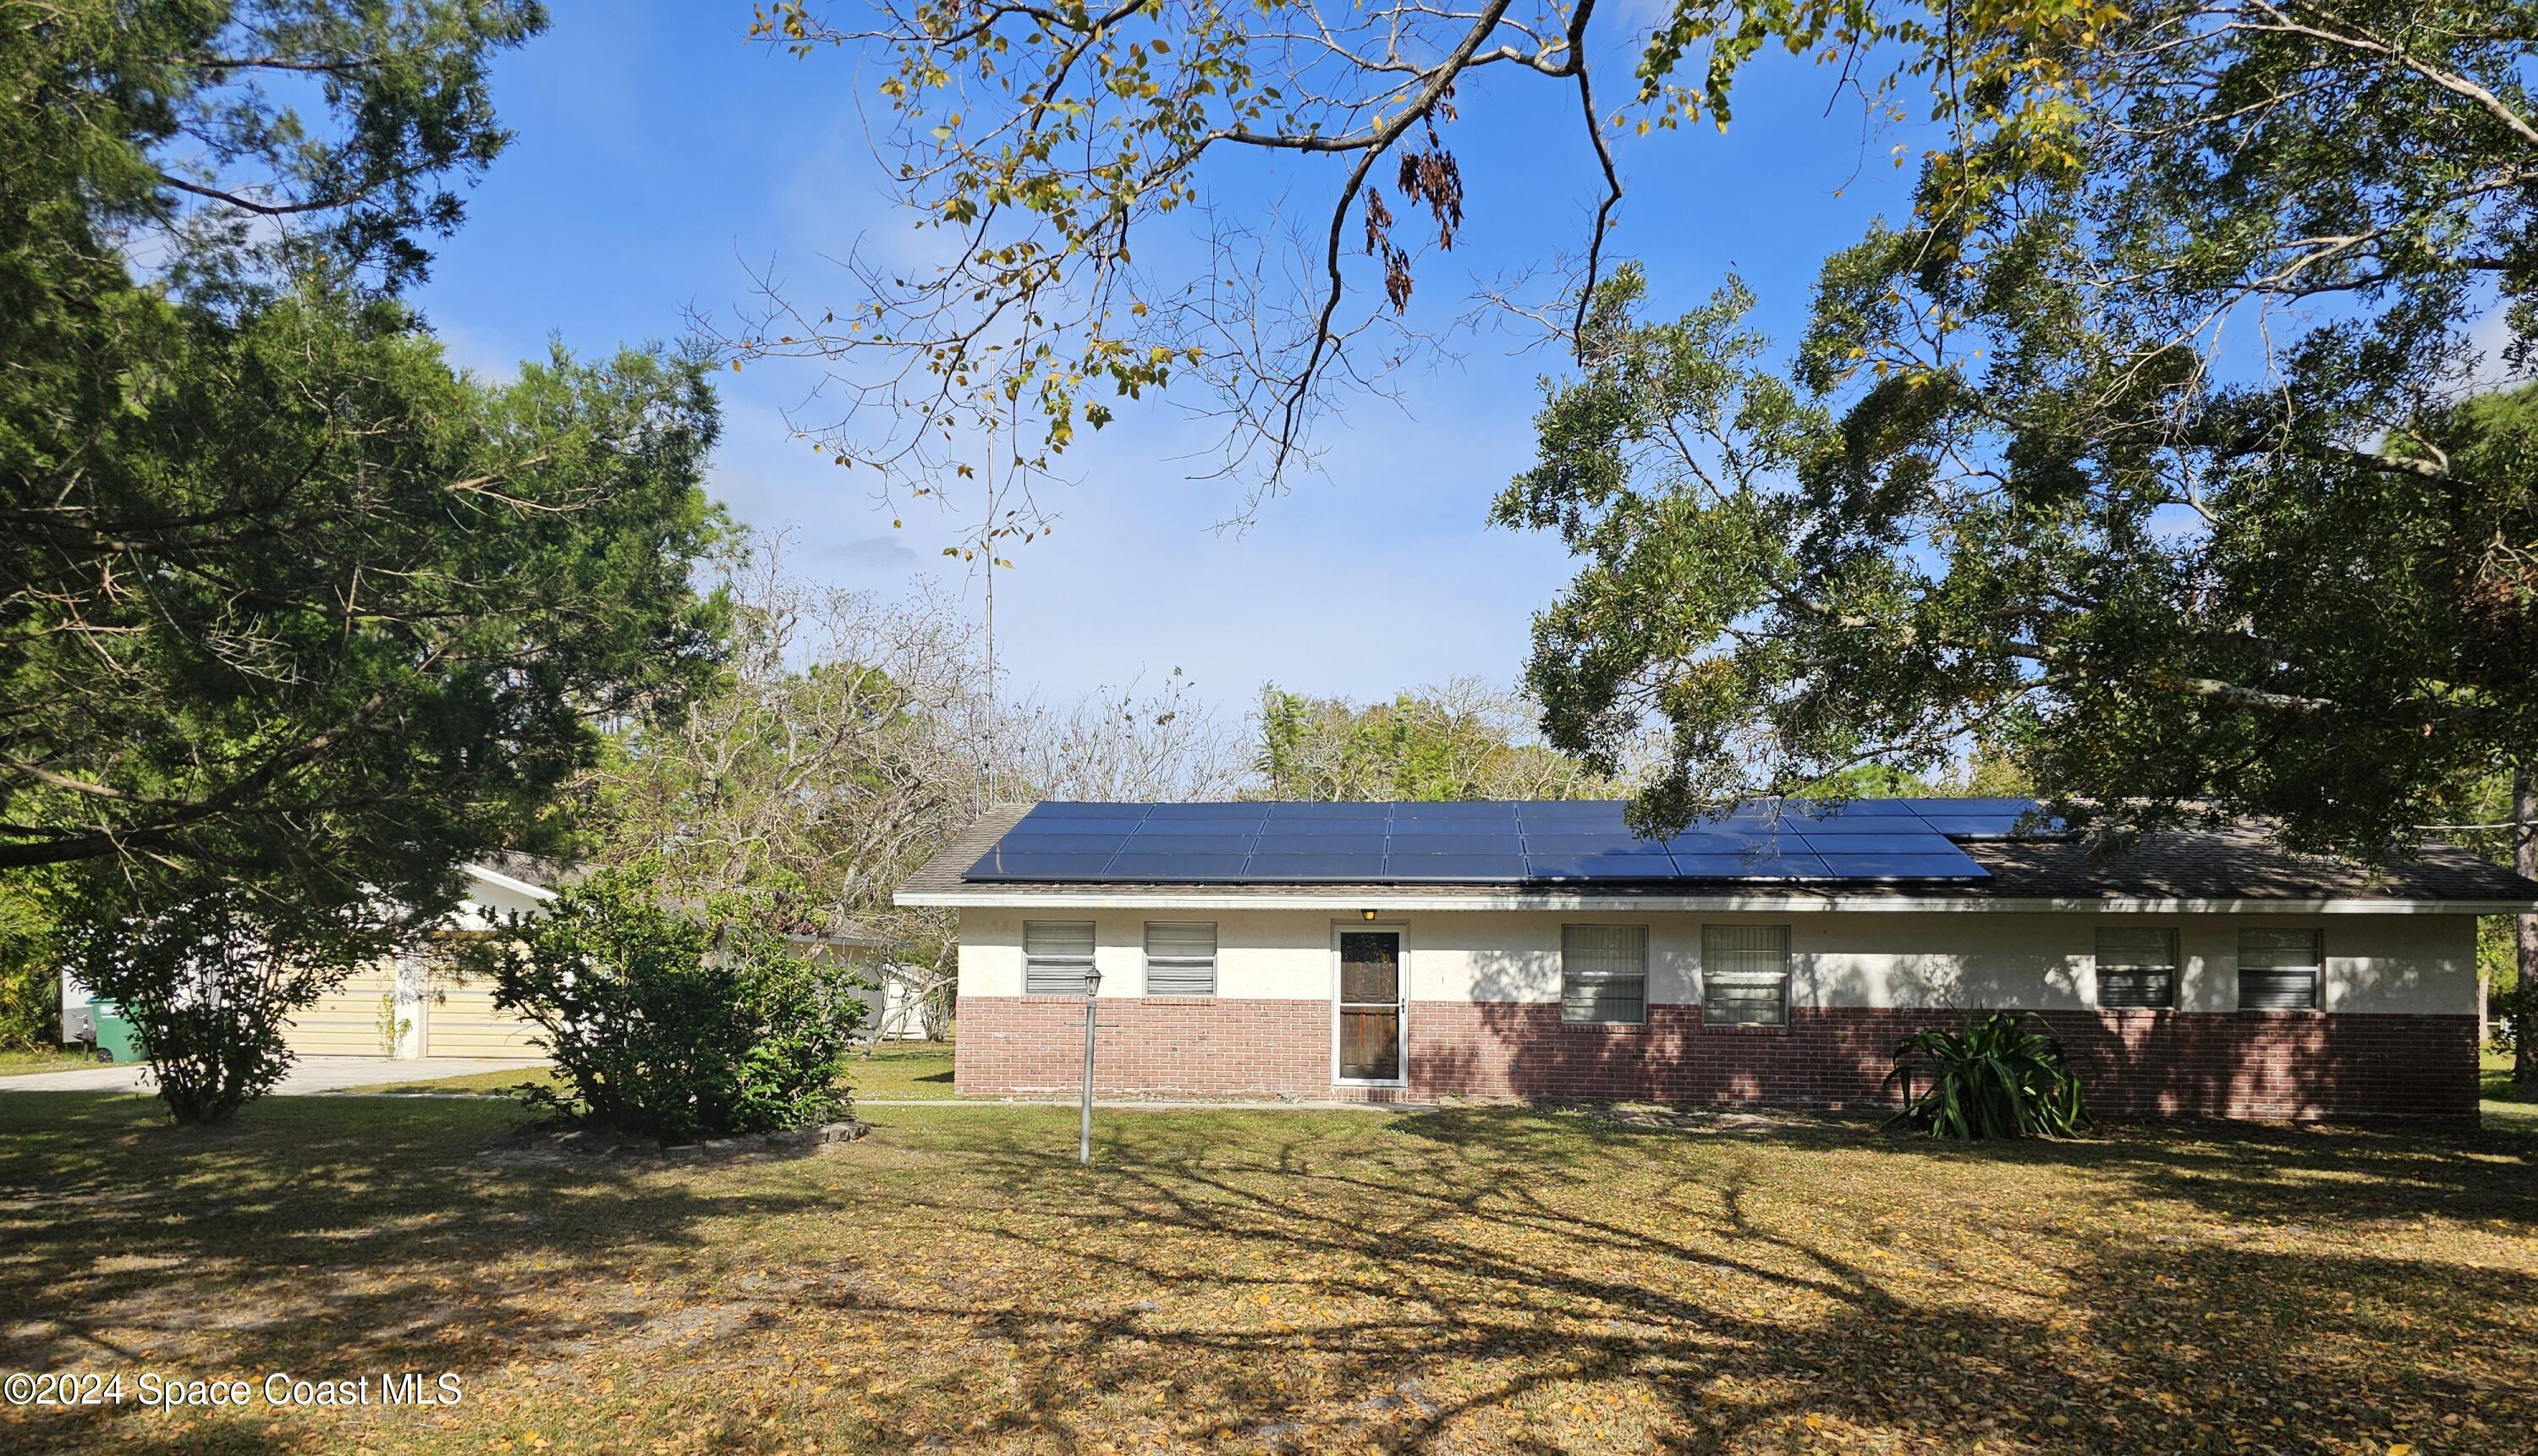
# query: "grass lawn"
{"type": "Point", "coordinates": [1479, 1280]}
{"type": "Point", "coordinates": [921, 1069]}
{"type": "Point", "coordinates": [43, 1059]}
{"type": "Point", "coordinates": [2503, 1106]}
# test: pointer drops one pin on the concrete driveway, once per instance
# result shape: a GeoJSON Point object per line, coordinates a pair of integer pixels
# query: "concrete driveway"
{"type": "Point", "coordinates": [307, 1074]}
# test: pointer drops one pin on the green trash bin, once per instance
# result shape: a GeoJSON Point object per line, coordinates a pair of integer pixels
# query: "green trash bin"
{"type": "Point", "coordinates": [116, 1037]}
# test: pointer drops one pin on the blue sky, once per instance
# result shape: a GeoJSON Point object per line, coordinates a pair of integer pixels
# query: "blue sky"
{"type": "Point", "coordinates": [659, 154]}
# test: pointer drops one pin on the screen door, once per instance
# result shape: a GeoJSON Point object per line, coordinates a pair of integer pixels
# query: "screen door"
{"type": "Point", "coordinates": [1369, 1006]}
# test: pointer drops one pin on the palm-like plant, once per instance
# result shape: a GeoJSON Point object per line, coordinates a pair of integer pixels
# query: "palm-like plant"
{"type": "Point", "coordinates": [1995, 1079]}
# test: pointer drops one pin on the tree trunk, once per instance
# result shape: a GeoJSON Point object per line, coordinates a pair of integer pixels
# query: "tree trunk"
{"type": "Point", "coordinates": [2525, 1002]}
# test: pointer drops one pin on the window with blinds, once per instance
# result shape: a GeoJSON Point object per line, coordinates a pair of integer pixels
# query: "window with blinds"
{"type": "Point", "coordinates": [1745, 975]}
{"type": "Point", "coordinates": [2281, 971]}
{"type": "Point", "coordinates": [1057, 955]}
{"type": "Point", "coordinates": [1181, 960]}
{"type": "Point", "coordinates": [1604, 974]}
{"type": "Point", "coordinates": [2136, 966]}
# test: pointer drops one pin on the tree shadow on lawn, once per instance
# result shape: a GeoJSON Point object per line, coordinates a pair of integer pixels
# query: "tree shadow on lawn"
{"type": "Point", "coordinates": [328, 1238]}
{"type": "Point", "coordinates": [2237, 1169]}
{"type": "Point", "coordinates": [1483, 1278]}
{"type": "Point", "coordinates": [1478, 1282]}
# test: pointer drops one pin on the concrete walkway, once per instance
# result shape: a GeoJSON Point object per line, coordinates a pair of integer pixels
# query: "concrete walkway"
{"type": "Point", "coordinates": [307, 1074]}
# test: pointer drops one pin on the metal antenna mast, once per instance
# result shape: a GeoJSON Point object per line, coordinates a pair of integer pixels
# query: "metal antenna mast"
{"type": "Point", "coordinates": [987, 554]}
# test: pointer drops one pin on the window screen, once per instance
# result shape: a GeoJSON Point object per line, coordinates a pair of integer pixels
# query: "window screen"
{"type": "Point", "coordinates": [2281, 969]}
{"type": "Point", "coordinates": [2136, 966]}
{"type": "Point", "coordinates": [1181, 960]}
{"type": "Point", "coordinates": [1745, 975]}
{"type": "Point", "coordinates": [1057, 955]}
{"type": "Point", "coordinates": [1604, 973]}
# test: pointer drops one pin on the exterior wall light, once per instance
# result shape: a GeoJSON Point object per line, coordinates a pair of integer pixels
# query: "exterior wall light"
{"type": "Point", "coordinates": [1368, 915]}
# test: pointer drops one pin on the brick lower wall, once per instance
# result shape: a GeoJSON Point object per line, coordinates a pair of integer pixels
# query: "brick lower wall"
{"type": "Point", "coordinates": [1158, 1045]}
{"type": "Point", "coordinates": [2132, 1062]}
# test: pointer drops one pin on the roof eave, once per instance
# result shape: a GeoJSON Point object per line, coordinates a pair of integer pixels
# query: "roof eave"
{"type": "Point", "coordinates": [1165, 897]}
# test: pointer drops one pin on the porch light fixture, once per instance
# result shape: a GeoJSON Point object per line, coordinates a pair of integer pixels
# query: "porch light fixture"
{"type": "Point", "coordinates": [1368, 915]}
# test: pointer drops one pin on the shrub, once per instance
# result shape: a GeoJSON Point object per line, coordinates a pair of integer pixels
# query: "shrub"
{"type": "Point", "coordinates": [673, 1023]}
{"type": "Point", "coordinates": [1995, 1079]}
{"type": "Point", "coordinates": [210, 980]}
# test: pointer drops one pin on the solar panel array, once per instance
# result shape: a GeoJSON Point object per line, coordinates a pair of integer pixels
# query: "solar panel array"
{"type": "Point", "coordinates": [1499, 843]}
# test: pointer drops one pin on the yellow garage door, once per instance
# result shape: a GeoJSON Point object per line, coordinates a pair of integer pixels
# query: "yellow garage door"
{"type": "Point", "coordinates": [464, 1023]}
{"type": "Point", "coordinates": [346, 1021]}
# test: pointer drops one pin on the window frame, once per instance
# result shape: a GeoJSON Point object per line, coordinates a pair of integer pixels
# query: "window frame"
{"type": "Point", "coordinates": [2175, 966]}
{"type": "Point", "coordinates": [1713, 978]}
{"type": "Point", "coordinates": [1215, 950]}
{"type": "Point", "coordinates": [1083, 964]}
{"type": "Point", "coordinates": [1569, 976]}
{"type": "Point", "coordinates": [2316, 968]}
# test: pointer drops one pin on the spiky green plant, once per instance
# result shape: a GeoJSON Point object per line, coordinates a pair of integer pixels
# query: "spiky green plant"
{"type": "Point", "coordinates": [1995, 1079]}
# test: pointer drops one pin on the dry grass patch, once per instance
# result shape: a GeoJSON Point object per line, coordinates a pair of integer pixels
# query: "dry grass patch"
{"type": "Point", "coordinates": [1480, 1280]}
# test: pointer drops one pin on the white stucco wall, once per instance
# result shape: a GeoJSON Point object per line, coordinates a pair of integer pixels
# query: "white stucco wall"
{"type": "Point", "coordinates": [2422, 964]}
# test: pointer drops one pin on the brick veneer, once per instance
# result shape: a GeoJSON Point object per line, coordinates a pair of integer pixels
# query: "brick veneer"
{"type": "Point", "coordinates": [1163, 1046]}
{"type": "Point", "coordinates": [2133, 1063]}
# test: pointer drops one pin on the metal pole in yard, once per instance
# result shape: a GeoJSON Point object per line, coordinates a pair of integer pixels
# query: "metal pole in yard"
{"type": "Point", "coordinates": [1084, 1136]}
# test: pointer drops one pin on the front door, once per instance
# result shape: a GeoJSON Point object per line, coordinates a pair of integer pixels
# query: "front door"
{"type": "Point", "coordinates": [1369, 1006]}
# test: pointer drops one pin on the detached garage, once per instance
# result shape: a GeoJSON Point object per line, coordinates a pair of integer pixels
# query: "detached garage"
{"type": "Point", "coordinates": [457, 1017]}
{"type": "Point", "coordinates": [1408, 952]}
{"type": "Point", "coordinates": [415, 1004]}
{"type": "Point", "coordinates": [412, 1005]}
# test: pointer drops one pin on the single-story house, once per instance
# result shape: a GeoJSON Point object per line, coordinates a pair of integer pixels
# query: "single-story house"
{"type": "Point", "coordinates": [1409, 951]}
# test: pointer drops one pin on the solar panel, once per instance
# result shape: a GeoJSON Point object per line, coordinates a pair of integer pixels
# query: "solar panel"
{"type": "Point", "coordinates": [1616, 843]}
{"type": "Point", "coordinates": [1168, 867]}
{"type": "Point", "coordinates": [1152, 843]}
{"type": "Point", "coordinates": [1900, 824]}
{"type": "Point", "coordinates": [1098, 845]}
{"type": "Point", "coordinates": [1243, 827]}
{"type": "Point", "coordinates": [1456, 844]}
{"type": "Point", "coordinates": [995, 864]}
{"type": "Point", "coordinates": [1072, 830]}
{"type": "Point", "coordinates": [1600, 866]}
{"type": "Point", "coordinates": [1277, 842]}
{"type": "Point", "coordinates": [1485, 867]}
{"type": "Point", "coordinates": [1350, 866]}
{"type": "Point", "coordinates": [1952, 865]}
{"type": "Point", "coordinates": [1922, 842]}
{"type": "Point", "coordinates": [1542, 841]}
{"type": "Point", "coordinates": [1750, 866]}
{"type": "Point", "coordinates": [1244, 813]}
{"type": "Point", "coordinates": [1854, 809]}
{"type": "Point", "coordinates": [1461, 810]}
{"type": "Point", "coordinates": [1715, 841]}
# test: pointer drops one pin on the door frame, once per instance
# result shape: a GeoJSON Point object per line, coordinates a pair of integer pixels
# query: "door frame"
{"type": "Point", "coordinates": [1400, 931]}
